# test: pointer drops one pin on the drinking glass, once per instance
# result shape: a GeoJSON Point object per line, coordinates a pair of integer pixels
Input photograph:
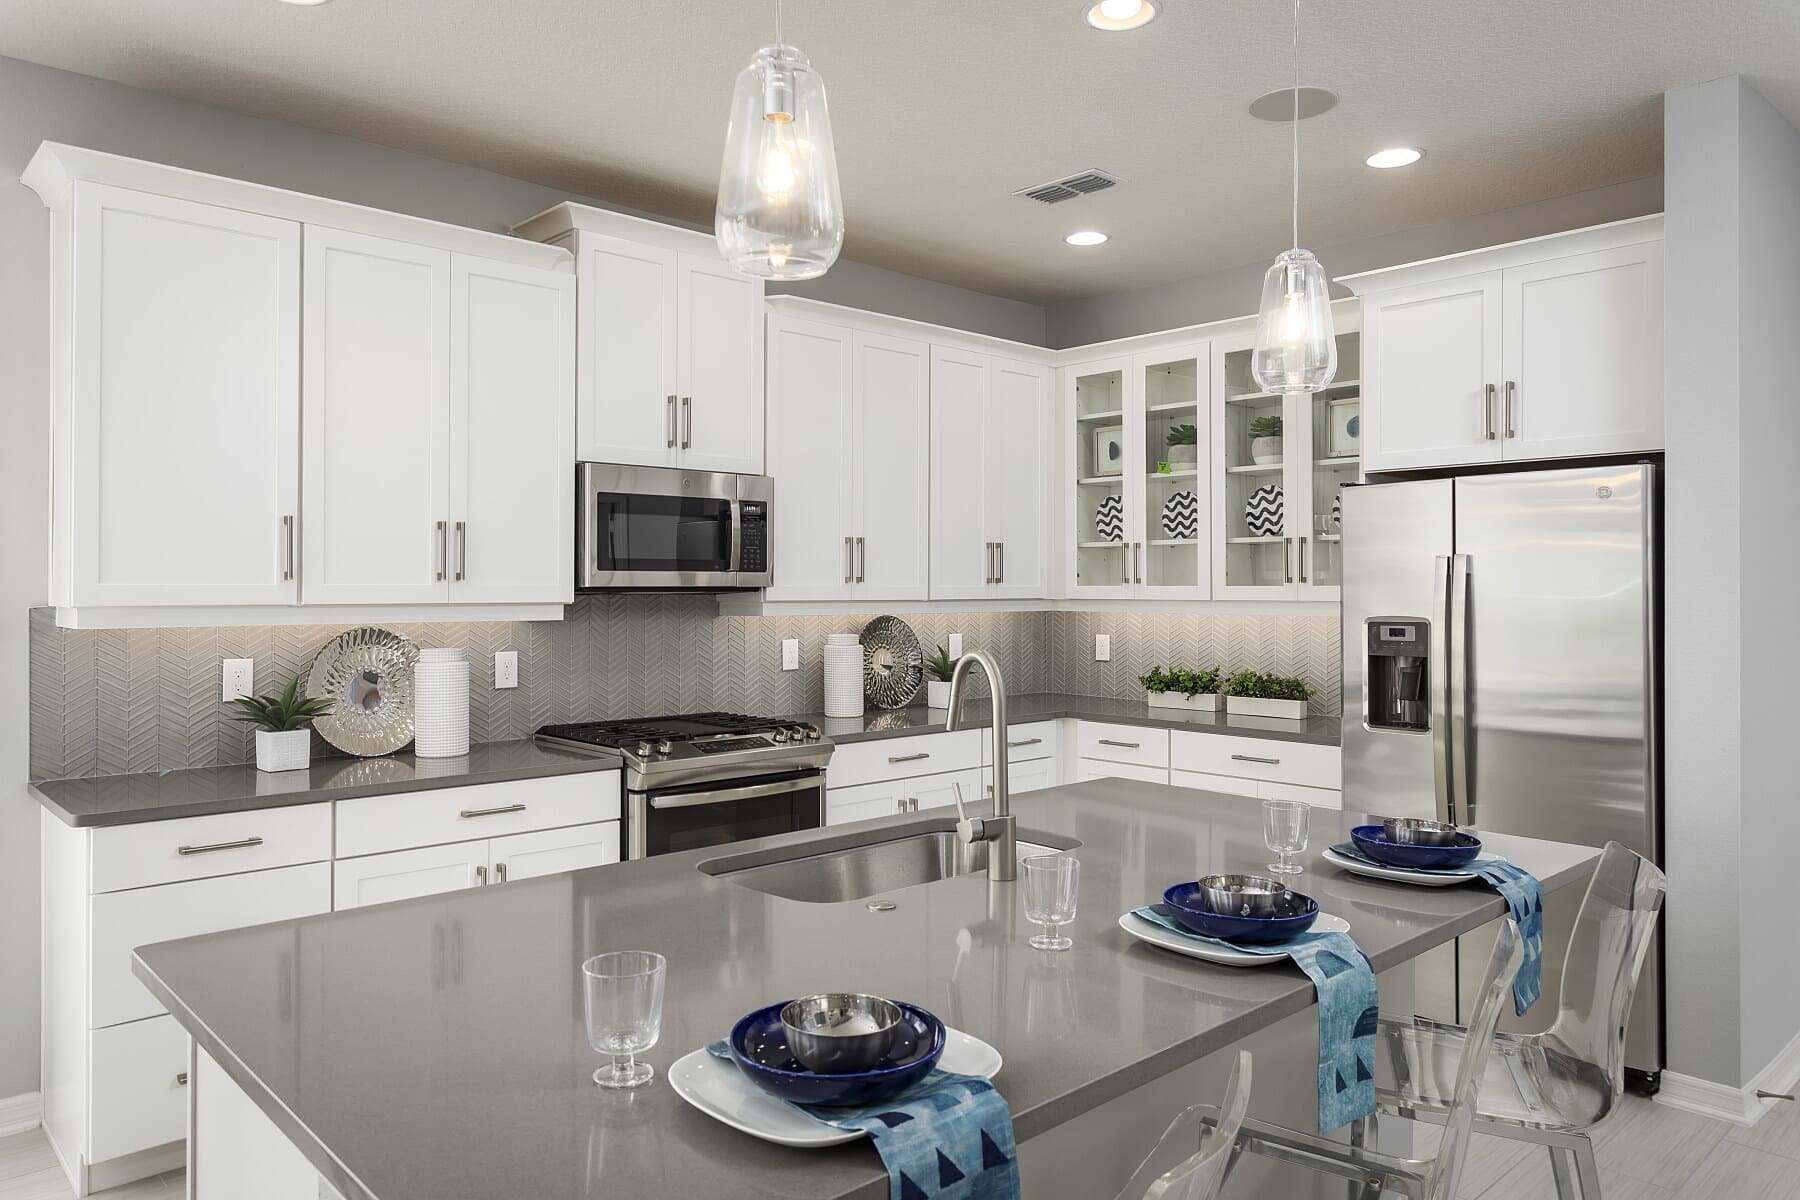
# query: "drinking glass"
{"type": "Point", "coordinates": [1285, 828]}
{"type": "Point", "coordinates": [624, 994]}
{"type": "Point", "coordinates": [1050, 884]}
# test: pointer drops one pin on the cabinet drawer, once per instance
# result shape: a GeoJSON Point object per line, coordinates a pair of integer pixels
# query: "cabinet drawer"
{"type": "Point", "coordinates": [1257, 758]}
{"type": "Point", "coordinates": [1024, 743]}
{"type": "Point", "coordinates": [130, 856]}
{"type": "Point", "coordinates": [123, 921]}
{"type": "Point", "coordinates": [1231, 785]}
{"type": "Point", "coordinates": [1122, 743]}
{"type": "Point", "coordinates": [139, 1095]}
{"type": "Point", "coordinates": [1094, 768]}
{"type": "Point", "coordinates": [376, 824]}
{"type": "Point", "coordinates": [904, 758]}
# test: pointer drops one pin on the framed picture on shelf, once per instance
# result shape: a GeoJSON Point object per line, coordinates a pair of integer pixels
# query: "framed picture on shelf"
{"type": "Point", "coordinates": [1109, 450]}
{"type": "Point", "coordinates": [1343, 432]}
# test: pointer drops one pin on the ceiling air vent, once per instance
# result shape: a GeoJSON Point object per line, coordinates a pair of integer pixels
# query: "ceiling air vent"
{"type": "Point", "coordinates": [1058, 190]}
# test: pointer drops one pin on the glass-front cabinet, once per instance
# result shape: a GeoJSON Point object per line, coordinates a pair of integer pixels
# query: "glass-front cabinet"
{"type": "Point", "coordinates": [1140, 459]}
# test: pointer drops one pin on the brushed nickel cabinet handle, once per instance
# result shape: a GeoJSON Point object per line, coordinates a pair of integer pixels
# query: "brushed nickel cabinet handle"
{"type": "Point", "coordinates": [443, 549]}
{"type": "Point", "coordinates": [862, 561]}
{"type": "Point", "coordinates": [1121, 745]}
{"type": "Point", "coordinates": [1512, 397]}
{"type": "Point", "coordinates": [912, 804]}
{"type": "Point", "coordinates": [921, 757]}
{"type": "Point", "coordinates": [181, 1079]}
{"type": "Point", "coordinates": [492, 812]}
{"type": "Point", "coordinates": [213, 847]}
{"type": "Point", "coordinates": [462, 550]}
{"type": "Point", "coordinates": [1000, 569]}
{"type": "Point", "coordinates": [990, 563]}
{"type": "Point", "coordinates": [480, 875]}
{"type": "Point", "coordinates": [1302, 559]}
{"type": "Point", "coordinates": [687, 422]}
{"type": "Point", "coordinates": [1137, 556]}
{"type": "Point", "coordinates": [669, 425]}
{"type": "Point", "coordinates": [1124, 564]}
{"type": "Point", "coordinates": [1024, 742]}
{"type": "Point", "coordinates": [499, 872]}
{"type": "Point", "coordinates": [849, 560]}
{"type": "Point", "coordinates": [287, 562]}
{"type": "Point", "coordinates": [1287, 558]}
{"type": "Point", "coordinates": [1253, 758]}
{"type": "Point", "coordinates": [899, 803]}
{"type": "Point", "coordinates": [1487, 413]}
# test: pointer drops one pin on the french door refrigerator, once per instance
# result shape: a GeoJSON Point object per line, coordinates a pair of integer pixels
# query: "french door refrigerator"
{"type": "Point", "coordinates": [1500, 638]}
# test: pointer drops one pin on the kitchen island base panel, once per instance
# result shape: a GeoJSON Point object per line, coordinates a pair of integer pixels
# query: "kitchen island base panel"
{"type": "Point", "coordinates": [236, 1151]}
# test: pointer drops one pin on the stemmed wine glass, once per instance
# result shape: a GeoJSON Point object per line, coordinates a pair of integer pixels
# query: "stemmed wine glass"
{"type": "Point", "coordinates": [1286, 825]}
{"type": "Point", "coordinates": [1050, 884]}
{"type": "Point", "coordinates": [624, 997]}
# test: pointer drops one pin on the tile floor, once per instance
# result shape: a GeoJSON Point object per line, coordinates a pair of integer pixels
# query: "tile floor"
{"type": "Point", "coordinates": [1646, 1152]}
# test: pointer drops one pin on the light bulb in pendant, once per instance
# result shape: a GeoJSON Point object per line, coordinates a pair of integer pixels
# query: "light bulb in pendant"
{"type": "Point", "coordinates": [1296, 343]}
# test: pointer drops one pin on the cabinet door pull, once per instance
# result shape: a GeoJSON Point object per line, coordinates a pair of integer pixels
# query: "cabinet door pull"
{"type": "Point", "coordinates": [912, 804]}
{"type": "Point", "coordinates": [990, 562]}
{"type": "Point", "coordinates": [1287, 558]}
{"type": "Point", "coordinates": [687, 422]}
{"type": "Point", "coordinates": [443, 549]}
{"type": "Point", "coordinates": [492, 812]}
{"type": "Point", "coordinates": [669, 424]}
{"type": "Point", "coordinates": [1024, 742]}
{"type": "Point", "coordinates": [287, 561]}
{"type": "Point", "coordinates": [1121, 745]}
{"type": "Point", "coordinates": [499, 872]}
{"type": "Point", "coordinates": [1138, 554]}
{"type": "Point", "coordinates": [1002, 571]}
{"type": "Point", "coordinates": [1487, 412]}
{"type": "Point", "coordinates": [849, 560]}
{"type": "Point", "coordinates": [899, 803]}
{"type": "Point", "coordinates": [861, 560]}
{"type": "Point", "coordinates": [1273, 762]}
{"type": "Point", "coordinates": [211, 847]}
{"type": "Point", "coordinates": [181, 1079]}
{"type": "Point", "coordinates": [1124, 564]}
{"type": "Point", "coordinates": [462, 550]}
{"type": "Point", "coordinates": [480, 875]}
{"type": "Point", "coordinates": [1512, 396]}
{"type": "Point", "coordinates": [1302, 560]}
{"type": "Point", "coordinates": [920, 757]}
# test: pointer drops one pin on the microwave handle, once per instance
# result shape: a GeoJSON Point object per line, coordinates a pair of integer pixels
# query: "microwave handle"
{"type": "Point", "coordinates": [737, 535]}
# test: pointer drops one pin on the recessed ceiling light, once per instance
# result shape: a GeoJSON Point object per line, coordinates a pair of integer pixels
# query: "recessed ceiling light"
{"type": "Point", "coordinates": [1085, 237]}
{"type": "Point", "coordinates": [1396, 156]}
{"type": "Point", "coordinates": [1116, 16]}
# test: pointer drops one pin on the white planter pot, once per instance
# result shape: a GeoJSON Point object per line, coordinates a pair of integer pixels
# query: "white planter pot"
{"type": "Point", "coordinates": [1208, 702]}
{"type": "Point", "coordinates": [1264, 451]}
{"type": "Point", "coordinates": [289, 750]}
{"type": "Point", "coordinates": [1183, 456]}
{"type": "Point", "coordinates": [937, 693]}
{"type": "Point", "coordinates": [1251, 706]}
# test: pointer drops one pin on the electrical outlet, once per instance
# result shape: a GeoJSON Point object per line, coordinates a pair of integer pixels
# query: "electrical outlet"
{"type": "Point", "coordinates": [955, 647]}
{"type": "Point", "coordinates": [790, 654]}
{"type": "Point", "coordinates": [506, 669]}
{"type": "Point", "coordinates": [1103, 647]}
{"type": "Point", "coordinates": [237, 679]}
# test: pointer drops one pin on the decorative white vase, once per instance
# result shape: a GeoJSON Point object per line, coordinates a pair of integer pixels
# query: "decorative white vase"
{"type": "Point", "coordinates": [1265, 451]}
{"type": "Point", "coordinates": [1205, 702]}
{"type": "Point", "coordinates": [284, 750]}
{"type": "Point", "coordinates": [937, 693]}
{"type": "Point", "coordinates": [1255, 706]}
{"type": "Point", "coordinates": [440, 703]}
{"type": "Point", "coordinates": [1183, 456]}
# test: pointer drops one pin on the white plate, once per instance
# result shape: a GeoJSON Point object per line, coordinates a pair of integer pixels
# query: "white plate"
{"type": "Point", "coordinates": [1398, 874]}
{"type": "Point", "coordinates": [719, 1089]}
{"type": "Point", "coordinates": [1156, 935]}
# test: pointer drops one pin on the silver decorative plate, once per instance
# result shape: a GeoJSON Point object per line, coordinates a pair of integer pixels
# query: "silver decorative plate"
{"type": "Point", "coordinates": [893, 663]}
{"type": "Point", "coordinates": [369, 673]}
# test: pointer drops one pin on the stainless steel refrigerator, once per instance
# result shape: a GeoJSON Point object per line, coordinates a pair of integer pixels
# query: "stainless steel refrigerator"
{"type": "Point", "coordinates": [1500, 638]}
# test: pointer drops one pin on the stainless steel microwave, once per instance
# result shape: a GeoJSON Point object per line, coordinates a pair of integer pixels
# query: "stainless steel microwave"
{"type": "Point", "coordinates": [659, 529]}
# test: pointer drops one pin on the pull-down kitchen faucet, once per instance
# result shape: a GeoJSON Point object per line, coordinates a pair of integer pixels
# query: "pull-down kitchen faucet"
{"type": "Point", "coordinates": [1000, 830]}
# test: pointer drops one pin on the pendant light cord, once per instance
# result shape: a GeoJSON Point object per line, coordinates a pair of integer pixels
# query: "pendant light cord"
{"type": "Point", "coordinates": [1296, 122]}
{"type": "Point", "coordinates": [781, 39]}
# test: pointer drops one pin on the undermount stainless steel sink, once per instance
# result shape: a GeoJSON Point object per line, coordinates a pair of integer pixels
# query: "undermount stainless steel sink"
{"type": "Point", "coordinates": [903, 859]}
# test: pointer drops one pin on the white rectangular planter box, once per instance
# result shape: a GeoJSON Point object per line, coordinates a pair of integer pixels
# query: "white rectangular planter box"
{"type": "Point", "coordinates": [937, 693]}
{"type": "Point", "coordinates": [288, 750]}
{"type": "Point", "coordinates": [1207, 702]}
{"type": "Point", "coordinates": [1251, 706]}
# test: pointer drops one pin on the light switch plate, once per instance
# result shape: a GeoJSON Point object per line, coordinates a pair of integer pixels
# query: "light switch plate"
{"type": "Point", "coordinates": [790, 654]}
{"type": "Point", "coordinates": [1103, 647]}
{"type": "Point", "coordinates": [955, 647]}
{"type": "Point", "coordinates": [506, 669]}
{"type": "Point", "coordinates": [237, 679]}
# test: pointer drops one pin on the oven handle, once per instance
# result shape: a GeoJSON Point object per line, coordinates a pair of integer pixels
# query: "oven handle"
{"type": "Point", "coordinates": [748, 792]}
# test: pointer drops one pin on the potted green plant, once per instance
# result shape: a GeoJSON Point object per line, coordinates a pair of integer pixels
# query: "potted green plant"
{"type": "Point", "coordinates": [1253, 694]}
{"type": "Point", "coordinates": [939, 666]}
{"type": "Point", "coordinates": [283, 726]}
{"type": "Point", "coordinates": [1183, 448]}
{"type": "Point", "coordinates": [1194, 691]}
{"type": "Point", "coordinates": [1265, 440]}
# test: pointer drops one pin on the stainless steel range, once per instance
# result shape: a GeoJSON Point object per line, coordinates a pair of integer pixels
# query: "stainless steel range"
{"type": "Point", "coordinates": [707, 779]}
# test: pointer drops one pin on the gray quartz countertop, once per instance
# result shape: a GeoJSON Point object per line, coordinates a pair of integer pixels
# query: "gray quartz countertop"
{"type": "Point", "coordinates": [1049, 706]}
{"type": "Point", "coordinates": [163, 795]}
{"type": "Point", "coordinates": [407, 1071]}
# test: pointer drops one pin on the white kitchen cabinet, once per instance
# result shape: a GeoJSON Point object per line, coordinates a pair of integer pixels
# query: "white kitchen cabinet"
{"type": "Point", "coordinates": [552, 851]}
{"type": "Point", "coordinates": [939, 791]}
{"type": "Point", "coordinates": [404, 874]}
{"type": "Point", "coordinates": [1095, 768]}
{"type": "Point", "coordinates": [175, 440]}
{"type": "Point", "coordinates": [863, 801]}
{"type": "Point", "coordinates": [1541, 349]}
{"type": "Point", "coordinates": [890, 380]}
{"type": "Point", "coordinates": [1022, 777]}
{"type": "Point", "coordinates": [669, 359]}
{"type": "Point", "coordinates": [1231, 785]}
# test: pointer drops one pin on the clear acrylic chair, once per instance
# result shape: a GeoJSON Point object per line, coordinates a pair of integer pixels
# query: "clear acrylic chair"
{"type": "Point", "coordinates": [1550, 1087]}
{"type": "Point", "coordinates": [1189, 1161]}
{"type": "Point", "coordinates": [1371, 1173]}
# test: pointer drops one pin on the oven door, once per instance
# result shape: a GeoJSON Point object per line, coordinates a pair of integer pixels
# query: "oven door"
{"type": "Point", "coordinates": [650, 527]}
{"type": "Point", "coordinates": [674, 819]}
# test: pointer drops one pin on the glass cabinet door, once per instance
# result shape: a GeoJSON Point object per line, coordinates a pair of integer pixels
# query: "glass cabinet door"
{"type": "Point", "coordinates": [1102, 541]}
{"type": "Point", "coordinates": [1332, 423]}
{"type": "Point", "coordinates": [1252, 514]}
{"type": "Point", "coordinates": [1174, 466]}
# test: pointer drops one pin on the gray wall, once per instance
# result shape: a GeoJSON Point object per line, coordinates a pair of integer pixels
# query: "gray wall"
{"type": "Point", "coordinates": [1732, 644]}
{"type": "Point", "coordinates": [1233, 292]}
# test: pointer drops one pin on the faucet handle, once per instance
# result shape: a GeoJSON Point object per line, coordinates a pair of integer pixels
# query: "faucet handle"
{"type": "Point", "coordinates": [969, 830]}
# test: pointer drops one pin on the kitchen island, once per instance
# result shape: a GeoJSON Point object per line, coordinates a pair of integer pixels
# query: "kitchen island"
{"type": "Point", "coordinates": [435, 1049]}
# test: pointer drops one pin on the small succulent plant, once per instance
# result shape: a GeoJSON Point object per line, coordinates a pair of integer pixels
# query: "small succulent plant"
{"type": "Point", "coordinates": [280, 714]}
{"type": "Point", "coordinates": [1266, 426]}
{"type": "Point", "coordinates": [940, 666]}
{"type": "Point", "coordinates": [1182, 435]}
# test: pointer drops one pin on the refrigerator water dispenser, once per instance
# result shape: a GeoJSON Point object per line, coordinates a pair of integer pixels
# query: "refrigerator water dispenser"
{"type": "Point", "coordinates": [1399, 673]}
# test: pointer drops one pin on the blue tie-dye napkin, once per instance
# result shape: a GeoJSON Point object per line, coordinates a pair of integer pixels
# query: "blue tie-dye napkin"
{"type": "Point", "coordinates": [1349, 1011]}
{"type": "Point", "coordinates": [1524, 896]}
{"type": "Point", "coordinates": [947, 1137]}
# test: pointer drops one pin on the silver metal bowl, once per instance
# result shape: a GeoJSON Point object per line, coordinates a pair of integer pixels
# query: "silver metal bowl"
{"type": "Point", "coordinates": [1414, 831]}
{"type": "Point", "coordinates": [1243, 895]}
{"type": "Point", "coordinates": [836, 1033]}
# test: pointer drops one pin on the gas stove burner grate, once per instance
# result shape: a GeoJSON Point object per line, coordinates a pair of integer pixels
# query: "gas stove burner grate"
{"type": "Point", "coordinates": [685, 728]}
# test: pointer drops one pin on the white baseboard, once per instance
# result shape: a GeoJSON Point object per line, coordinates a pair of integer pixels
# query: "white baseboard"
{"type": "Point", "coordinates": [1740, 1106]}
{"type": "Point", "coordinates": [21, 1114]}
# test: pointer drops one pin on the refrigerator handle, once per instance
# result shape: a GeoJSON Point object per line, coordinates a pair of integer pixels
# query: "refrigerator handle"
{"type": "Point", "coordinates": [1440, 690]}
{"type": "Point", "coordinates": [1461, 751]}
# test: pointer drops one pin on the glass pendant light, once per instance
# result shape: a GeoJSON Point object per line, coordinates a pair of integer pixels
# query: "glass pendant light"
{"type": "Point", "coordinates": [780, 215]}
{"type": "Point", "coordinates": [1296, 345]}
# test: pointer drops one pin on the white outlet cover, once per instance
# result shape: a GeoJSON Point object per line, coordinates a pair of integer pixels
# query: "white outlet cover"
{"type": "Point", "coordinates": [237, 678]}
{"type": "Point", "coordinates": [1103, 647]}
{"type": "Point", "coordinates": [506, 669]}
{"type": "Point", "coordinates": [790, 654]}
{"type": "Point", "coordinates": [955, 647]}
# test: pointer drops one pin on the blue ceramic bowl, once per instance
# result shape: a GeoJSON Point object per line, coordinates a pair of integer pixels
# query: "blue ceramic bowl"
{"type": "Point", "coordinates": [1373, 841]}
{"type": "Point", "coordinates": [759, 1044]}
{"type": "Point", "coordinates": [1295, 914]}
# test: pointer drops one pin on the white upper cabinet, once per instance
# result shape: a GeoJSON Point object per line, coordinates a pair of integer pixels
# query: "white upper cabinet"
{"type": "Point", "coordinates": [670, 346]}
{"type": "Point", "coordinates": [1018, 505]}
{"type": "Point", "coordinates": [990, 427]}
{"type": "Point", "coordinates": [177, 449]}
{"type": "Point", "coordinates": [810, 458]}
{"type": "Point", "coordinates": [1549, 348]}
{"type": "Point", "coordinates": [890, 382]}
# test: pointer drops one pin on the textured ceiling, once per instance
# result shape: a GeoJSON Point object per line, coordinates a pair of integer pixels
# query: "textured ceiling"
{"type": "Point", "coordinates": [941, 109]}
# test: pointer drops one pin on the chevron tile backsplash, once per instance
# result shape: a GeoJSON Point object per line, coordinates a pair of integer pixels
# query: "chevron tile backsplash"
{"type": "Point", "coordinates": [107, 702]}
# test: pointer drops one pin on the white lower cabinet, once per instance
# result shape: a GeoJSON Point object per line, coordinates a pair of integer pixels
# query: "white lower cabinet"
{"type": "Point", "coordinates": [140, 1083]}
{"type": "Point", "coordinates": [529, 855]}
{"type": "Point", "coordinates": [1095, 768]}
{"type": "Point", "coordinates": [1030, 776]}
{"type": "Point", "coordinates": [939, 791]}
{"type": "Point", "coordinates": [429, 870]}
{"type": "Point", "coordinates": [238, 1151]}
{"type": "Point", "coordinates": [1231, 785]}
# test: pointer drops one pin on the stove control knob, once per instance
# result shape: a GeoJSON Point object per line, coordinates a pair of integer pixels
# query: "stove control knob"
{"type": "Point", "coordinates": [664, 746]}
{"type": "Point", "coordinates": [812, 733]}
{"type": "Point", "coordinates": [643, 749]}
{"type": "Point", "coordinates": [779, 736]}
